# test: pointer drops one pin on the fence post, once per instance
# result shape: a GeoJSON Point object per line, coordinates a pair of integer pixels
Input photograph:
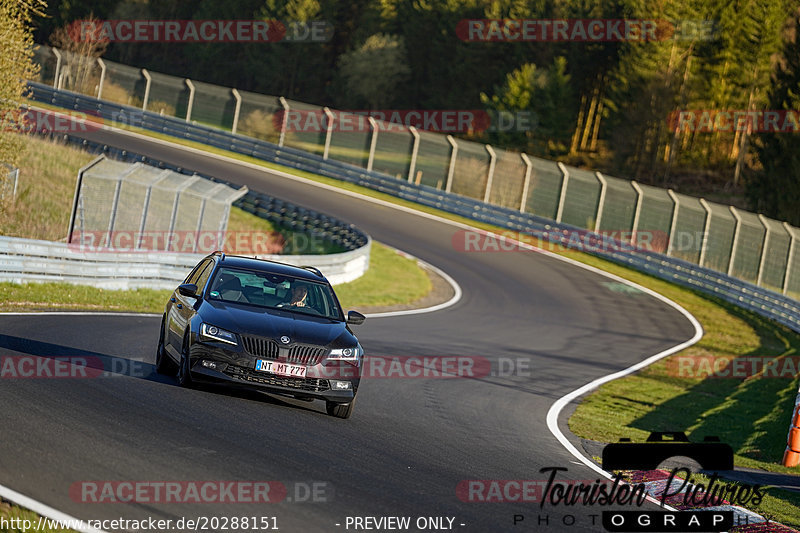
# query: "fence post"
{"type": "Point", "coordinates": [148, 82]}
{"type": "Point", "coordinates": [236, 110]}
{"type": "Point", "coordinates": [182, 187]}
{"type": "Point", "coordinates": [190, 85]}
{"type": "Point", "coordinates": [77, 196]}
{"type": "Point", "coordinates": [113, 216]}
{"type": "Point", "coordinates": [637, 212]}
{"type": "Point", "coordinates": [57, 53]}
{"type": "Point", "coordinates": [601, 202]}
{"type": "Point", "coordinates": [490, 175]}
{"type": "Point", "coordinates": [328, 133]}
{"type": "Point", "coordinates": [563, 196]}
{"type": "Point", "coordinates": [527, 183]}
{"type": "Point", "coordinates": [736, 230]}
{"type": "Point", "coordinates": [764, 244]}
{"type": "Point", "coordinates": [102, 77]}
{"type": "Point", "coordinates": [412, 166]}
{"type": "Point", "coordinates": [792, 241]}
{"type": "Point", "coordinates": [706, 228]}
{"type": "Point", "coordinates": [373, 143]}
{"type": "Point", "coordinates": [285, 120]}
{"type": "Point", "coordinates": [452, 169]}
{"type": "Point", "coordinates": [16, 181]}
{"type": "Point", "coordinates": [673, 223]}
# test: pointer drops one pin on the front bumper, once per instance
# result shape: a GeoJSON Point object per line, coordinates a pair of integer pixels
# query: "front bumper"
{"type": "Point", "coordinates": [237, 369]}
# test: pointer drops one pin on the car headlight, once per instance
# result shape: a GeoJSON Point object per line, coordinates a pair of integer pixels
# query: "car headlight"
{"type": "Point", "coordinates": [209, 332]}
{"type": "Point", "coordinates": [348, 355]}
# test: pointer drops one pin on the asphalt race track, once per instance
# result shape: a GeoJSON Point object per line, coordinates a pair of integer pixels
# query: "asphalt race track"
{"type": "Point", "coordinates": [410, 441]}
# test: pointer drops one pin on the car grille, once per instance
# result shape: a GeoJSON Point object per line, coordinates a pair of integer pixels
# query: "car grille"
{"type": "Point", "coordinates": [303, 354]}
{"type": "Point", "coordinates": [302, 384]}
{"type": "Point", "coordinates": [260, 346]}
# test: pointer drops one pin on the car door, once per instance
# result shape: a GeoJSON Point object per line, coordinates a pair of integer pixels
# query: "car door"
{"type": "Point", "coordinates": [181, 308]}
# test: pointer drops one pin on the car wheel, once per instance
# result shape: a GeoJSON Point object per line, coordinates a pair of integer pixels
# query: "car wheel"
{"type": "Point", "coordinates": [340, 410]}
{"type": "Point", "coordinates": [164, 364]}
{"type": "Point", "coordinates": [184, 376]}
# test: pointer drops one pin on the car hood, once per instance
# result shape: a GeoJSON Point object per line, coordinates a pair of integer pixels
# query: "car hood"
{"type": "Point", "coordinates": [275, 323]}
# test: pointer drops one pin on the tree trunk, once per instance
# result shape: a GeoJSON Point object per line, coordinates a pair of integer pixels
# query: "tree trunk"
{"type": "Point", "coordinates": [576, 135]}
{"type": "Point", "coordinates": [589, 119]}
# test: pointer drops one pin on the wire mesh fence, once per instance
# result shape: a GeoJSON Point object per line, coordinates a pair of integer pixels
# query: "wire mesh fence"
{"type": "Point", "coordinates": [746, 245]}
{"type": "Point", "coordinates": [139, 207]}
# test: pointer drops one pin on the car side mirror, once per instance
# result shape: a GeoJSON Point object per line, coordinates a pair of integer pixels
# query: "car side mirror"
{"type": "Point", "coordinates": [188, 289]}
{"type": "Point", "coordinates": [355, 318]}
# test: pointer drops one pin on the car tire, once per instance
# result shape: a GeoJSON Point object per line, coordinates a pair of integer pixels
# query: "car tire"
{"type": "Point", "coordinates": [164, 364]}
{"type": "Point", "coordinates": [340, 410]}
{"type": "Point", "coordinates": [184, 375]}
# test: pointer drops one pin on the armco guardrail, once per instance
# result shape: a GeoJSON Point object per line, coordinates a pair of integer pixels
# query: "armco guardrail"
{"type": "Point", "coordinates": [762, 301]}
{"type": "Point", "coordinates": [28, 260]}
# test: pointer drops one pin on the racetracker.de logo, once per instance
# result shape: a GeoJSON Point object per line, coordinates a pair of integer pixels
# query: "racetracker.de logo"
{"type": "Point", "coordinates": [731, 367]}
{"type": "Point", "coordinates": [200, 31]}
{"type": "Point", "coordinates": [398, 120]}
{"type": "Point", "coordinates": [157, 492]}
{"type": "Point", "coordinates": [44, 121]}
{"type": "Point", "coordinates": [582, 30]}
{"type": "Point", "coordinates": [40, 367]}
{"type": "Point", "coordinates": [721, 120]}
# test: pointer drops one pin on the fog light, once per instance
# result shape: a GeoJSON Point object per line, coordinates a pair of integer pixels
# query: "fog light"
{"type": "Point", "coordinates": [209, 364]}
{"type": "Point", "coordinates": [341, 385]}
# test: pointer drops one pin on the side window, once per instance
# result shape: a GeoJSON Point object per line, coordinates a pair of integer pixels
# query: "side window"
{"type": "Point", "coordinates": [204, 275]}
{"type": "Point", "coordinates": [194, 274]}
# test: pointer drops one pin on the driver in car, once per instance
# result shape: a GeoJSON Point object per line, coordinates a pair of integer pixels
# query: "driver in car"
{"type": "Point", "coordinates": [298, 297]}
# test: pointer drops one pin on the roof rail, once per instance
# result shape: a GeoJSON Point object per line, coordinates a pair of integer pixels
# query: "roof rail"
{"type": "Point", "coordinates": [315, 270]}
{"type": "Point", "coordinates": [219, 253]}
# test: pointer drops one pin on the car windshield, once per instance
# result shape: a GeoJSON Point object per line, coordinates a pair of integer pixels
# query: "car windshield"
{"type": "Point", "coordinates": [274, 291]}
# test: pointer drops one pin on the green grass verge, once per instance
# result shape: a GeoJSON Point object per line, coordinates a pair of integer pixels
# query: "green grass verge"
{"type": "Point", "coordinates": [9, 512]}
{"type": "Point", "coordinates": [752, 415]}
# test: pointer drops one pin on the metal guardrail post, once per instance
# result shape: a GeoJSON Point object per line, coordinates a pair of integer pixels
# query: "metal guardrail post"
{"type": "Point", "coordinates": [706, 229]}
{"type": "Point", "coordinates": [285, 120]}
{"type": "Point", "coordinates": [148, 83]}
{"type": "Point", "coordinates": [236, 110]}
{"type": "Point", "coordinates": [673, 223]}
{"type": "Point", "coordinates": [189, 106]}
{"type": "Point", "coordinates": [412, 166]}
{"type": "Point", "coordinates": [601, 202]}
{"type": "Point", "coordinates": [57, 53]}
{"type": "Point", "coordinates": [452, 168]}
{"type": "Point", "coordinates": [563, 196]}
{"type": "Point", "coordinates": [16, 182]}
{"type": "Point", "coordinates": [75, 198]}
{"type": "Point", "coordinates": [637, 212]}
{"type": "Point", "coordinates": [102, 77]}
{"type": "Point", "coordinates": [764, 244]}
{"type": "Point", "coordinates": [373, 143]}
{"type": "Point", "coordinates": [527, 183]}
{"type": "Point", "coordinates": [736, 230]}
{"type": "Point", "coordinates": [490, 174]}
{"type": "Point", "coordinates": [789, 256]}
{"type": "Point", "coordinates": [328, 133]}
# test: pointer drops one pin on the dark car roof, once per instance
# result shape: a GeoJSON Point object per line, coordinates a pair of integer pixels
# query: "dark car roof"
{"type": "Point", "coordinates": [265, 265]}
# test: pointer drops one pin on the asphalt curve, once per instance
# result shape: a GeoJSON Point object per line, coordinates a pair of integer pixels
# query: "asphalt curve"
{"type": "Point", "coordinates": [547, 327]}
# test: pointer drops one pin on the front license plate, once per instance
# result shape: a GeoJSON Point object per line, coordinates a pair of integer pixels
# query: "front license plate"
{"type": "Point", "coordinates": [281, 369]}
